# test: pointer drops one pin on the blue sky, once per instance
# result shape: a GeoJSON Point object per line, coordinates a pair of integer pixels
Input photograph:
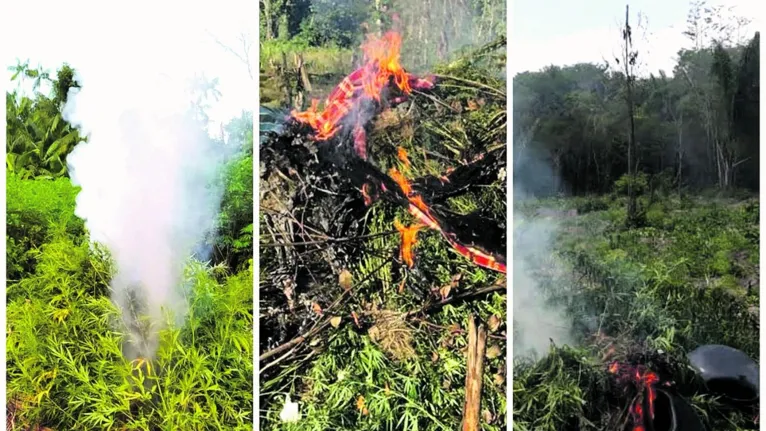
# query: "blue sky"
{"type": "Point", "coordinates": [545, 32]}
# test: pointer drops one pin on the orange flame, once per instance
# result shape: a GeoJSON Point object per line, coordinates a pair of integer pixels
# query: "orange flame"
{"type": "Point", "coordinates": [409, 238]}
{"type": "Point", "coordinates": [419, 203]}
{"type": "Point", "coordinates": [399, 178]}
{"type": "Point", "coordinates": [381, 63]}
{"type": "Point", "coordinates": [383, 55]}
{"type": "Point", "coordinates": [401, 153]}
{"type": "Point", "coordinates": [645, 379]}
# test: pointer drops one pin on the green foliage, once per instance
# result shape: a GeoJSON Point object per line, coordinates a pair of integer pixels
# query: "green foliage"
{"type": "Point", "coordinates": [335, 22]}
{"type": "Point", "coordinates": [684, 280]}
{"type": "Point", "coordinates": [334, 27]}
{"type": "Point", "coordinates": [34, 210]}
{"type": "Point", "coordinates": [64, 361]}
{"type": "Point", "coordinates": [38, 139]}
{"type": "Point", "coordinates": [395, 371]}
{"type": "Point", "coordinates": [319, 60]}
{"type": "Point", "coordinates": [548, 394]}
{"type": "Point", "coordinates": [65, 365]}
{"type": "Point", "coordinates": [638, 182]}
{"type": "Point", "coordinates": [686, 124]}
{"type": "Point", "coordinates": [234, 243]}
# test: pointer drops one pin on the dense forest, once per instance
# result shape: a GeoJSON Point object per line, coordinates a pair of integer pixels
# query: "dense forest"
{"type": "Point", "coordinates": [367, 316]}
{"type": "Point", "coordinates": [432, 29]}
{"type": "Point", "coordinates": [636, 236]}
{"type": "Point", "coordinates": [696, 126]}
{"type": "Point", "coordinates": [66, 367]}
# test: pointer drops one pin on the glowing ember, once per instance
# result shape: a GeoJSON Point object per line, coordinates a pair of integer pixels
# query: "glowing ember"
{"type": "Point", "coordinates": [645, 381]}
{"type": "Point", "coordinates": [360, 142]}
{"type": "Point", "coordinates": [366, 194]}
{"type": "Point", "coordinates": [409, 238]}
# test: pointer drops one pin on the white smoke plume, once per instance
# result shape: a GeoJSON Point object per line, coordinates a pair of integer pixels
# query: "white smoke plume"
{"type": "Point", "coordinates": [149, 173]}
{"type": "Point", "coordinates": [537, 318]}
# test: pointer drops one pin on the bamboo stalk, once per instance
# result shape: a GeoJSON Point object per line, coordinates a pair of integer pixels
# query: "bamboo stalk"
{"type": "Point", "coordinates": [477, 342]}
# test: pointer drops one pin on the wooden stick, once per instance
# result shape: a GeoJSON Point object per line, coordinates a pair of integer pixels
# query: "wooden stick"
{"type": "Point", "coordinates": [477, 341]}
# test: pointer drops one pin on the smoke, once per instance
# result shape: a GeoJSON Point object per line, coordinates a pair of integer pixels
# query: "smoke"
{"type": "Point", "coordinates": [537, 318]}
{"type": "Point", "coordinates": [150, 175]}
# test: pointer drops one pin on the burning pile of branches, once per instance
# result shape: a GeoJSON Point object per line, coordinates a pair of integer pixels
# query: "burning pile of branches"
{"type": "Point", "coordinates": [348, 106]}
{"type": "Point", "coordinates": [350, 192]}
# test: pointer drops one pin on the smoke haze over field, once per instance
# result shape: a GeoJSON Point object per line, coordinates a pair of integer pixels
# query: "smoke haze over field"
{"type": "Point", "coordinates": [536, 321]}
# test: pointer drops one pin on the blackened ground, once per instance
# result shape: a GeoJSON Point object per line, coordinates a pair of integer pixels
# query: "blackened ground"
{"type": "Point", "coordinates": [324, 202]}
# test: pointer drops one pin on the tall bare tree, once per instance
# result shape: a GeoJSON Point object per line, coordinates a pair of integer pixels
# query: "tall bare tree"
{"type": "Point", "coordinates": [629, 56]}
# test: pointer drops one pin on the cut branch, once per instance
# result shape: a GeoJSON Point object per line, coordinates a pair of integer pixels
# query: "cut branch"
{"type": "Point", "coordinates": [477, 341]}
{"type": "Point", "coordinates": [451, 299]}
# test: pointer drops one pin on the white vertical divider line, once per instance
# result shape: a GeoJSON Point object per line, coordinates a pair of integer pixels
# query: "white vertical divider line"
{"type": "Point", "coordinates": [256, 218]}
{"type": "Point", "coordinates": [761, 188]}
{"type": "Point", "coordinates": [509, 216]}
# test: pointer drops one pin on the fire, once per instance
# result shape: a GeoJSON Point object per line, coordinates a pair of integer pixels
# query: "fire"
{"type": "Point", "coordinates": [401, 153]}
{"type": "Point", "coordinates": [381, 57]}
{"type": "Point", "coordinates": [382, 65]}
{"type": "Point", "coordinates": [645, 380]}
{"type": "Point", "coordinates": [409, 238]}
{"type": "Point", "coordinates": [418, 202]}
{"type": "Point", "coordinates": [420, 210]}
{"type": "Point", "coordinates": [384, 53]}
{"type": "Point", "coordinates": [399, 178]}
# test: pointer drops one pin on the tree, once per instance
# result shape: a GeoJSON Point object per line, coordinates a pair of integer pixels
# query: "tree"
{"type": "Point", "coordinates": [629, 57]}
{"type": "Point", "coordinates": [38, 139]}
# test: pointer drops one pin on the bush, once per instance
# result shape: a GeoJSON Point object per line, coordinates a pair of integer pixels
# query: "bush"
{"type": "Point", "coordinates": [639, 181]}
{"type": "Point", "coordinates": [35, 208]}
{"type": "Point", "coordinates": [677, 284]}
{"type": "Point", "coordinates": [66, 370]}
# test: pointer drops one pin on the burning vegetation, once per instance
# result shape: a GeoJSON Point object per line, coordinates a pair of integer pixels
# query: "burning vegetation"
{"type": "Point", "coordinates": [394, 181]}
{"type": "Point", "coordinates": [652, 347]}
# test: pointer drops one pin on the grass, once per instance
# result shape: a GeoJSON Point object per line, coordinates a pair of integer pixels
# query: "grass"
{"type": "Point", "coordinates": [65, 368]}
{"type": "Point", "coordinates": [317, 60]}
{"type": "Point", "coordinates": [686, 278]}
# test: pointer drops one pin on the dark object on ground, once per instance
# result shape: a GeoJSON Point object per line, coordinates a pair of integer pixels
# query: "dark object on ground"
{"type": "Point", "coordinates": [671, 413]}
{"type": "Point", "coordinates": [727, 371]}
{"type": "Point", "coordinates": [271, 120]}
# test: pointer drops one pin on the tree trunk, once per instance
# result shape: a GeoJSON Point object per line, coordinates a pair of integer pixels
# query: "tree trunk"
{"type": "Point", "coordinates": [632, 210]}
{"type": "Point", "coordinates": [285, 80]}
{"type": "Point", "coordinates": [269, 20]}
